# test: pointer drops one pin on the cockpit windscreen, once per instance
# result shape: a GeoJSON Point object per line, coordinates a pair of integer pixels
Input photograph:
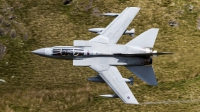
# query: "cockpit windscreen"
{"type": "Point", "coordinates": [68, 52]}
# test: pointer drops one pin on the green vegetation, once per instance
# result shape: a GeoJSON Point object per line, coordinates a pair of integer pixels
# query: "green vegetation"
{"type": "Point", "coordinates": [35, 83]}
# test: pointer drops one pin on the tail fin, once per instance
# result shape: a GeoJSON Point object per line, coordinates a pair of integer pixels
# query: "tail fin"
{"type": "Point", "coordinates": [146, 39]}
{"type": "Point", "coordinates": [145, 73]}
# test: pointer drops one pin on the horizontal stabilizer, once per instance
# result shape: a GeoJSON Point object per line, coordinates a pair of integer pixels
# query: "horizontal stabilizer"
{"type": "Point", "coordinates": [145, 73]}
{"type": "Point", "coordinates": [146, 39]}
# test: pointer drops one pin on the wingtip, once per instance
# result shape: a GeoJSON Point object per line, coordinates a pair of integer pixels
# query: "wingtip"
{"type": "Point", "coordinates": [133, 7]}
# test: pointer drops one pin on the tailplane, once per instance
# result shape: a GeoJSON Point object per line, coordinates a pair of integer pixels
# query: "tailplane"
{"type": "Point", "coordinates": [145, 73]}
{"type": "Point", "coordinates": [146, 39]}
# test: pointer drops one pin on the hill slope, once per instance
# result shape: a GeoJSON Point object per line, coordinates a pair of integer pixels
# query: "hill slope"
{"type": "Point", "coordinates": [35, 83]}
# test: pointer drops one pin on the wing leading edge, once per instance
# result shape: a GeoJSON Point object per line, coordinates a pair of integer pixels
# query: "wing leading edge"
{"type": "Point", "coordinates": [113, 78]}
{"type": "Point", "coordinates": [117, 27]}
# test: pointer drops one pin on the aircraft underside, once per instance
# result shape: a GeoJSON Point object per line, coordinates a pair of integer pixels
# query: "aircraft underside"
{"type": "Point", "coordinates": [102, 54]}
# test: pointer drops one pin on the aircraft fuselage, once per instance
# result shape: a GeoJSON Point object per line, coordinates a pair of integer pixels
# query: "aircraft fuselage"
{"type": "Point", "coordinates": [83, 56]}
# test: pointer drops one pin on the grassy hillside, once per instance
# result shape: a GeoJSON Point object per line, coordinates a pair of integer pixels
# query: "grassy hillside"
{"type": "Point", "coordinates": [35, 83]}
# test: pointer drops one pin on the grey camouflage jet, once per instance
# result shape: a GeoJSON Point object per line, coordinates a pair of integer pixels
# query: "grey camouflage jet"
{"type": "Point", "coordinates": [102, 54]}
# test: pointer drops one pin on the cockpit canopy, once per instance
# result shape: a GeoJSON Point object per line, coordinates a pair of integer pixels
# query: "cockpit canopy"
{"type": "Point", "coordinates": [68, 52]}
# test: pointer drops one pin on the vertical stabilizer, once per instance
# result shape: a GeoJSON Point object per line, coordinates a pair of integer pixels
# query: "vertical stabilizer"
{"type": "Point", "coordinates": [146, 39]}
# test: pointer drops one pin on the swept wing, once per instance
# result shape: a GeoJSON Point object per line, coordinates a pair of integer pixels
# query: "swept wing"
{"type": "Point", "coordinates": [113, 78]}
{"type": "Point", "coordinates": [117, 27]}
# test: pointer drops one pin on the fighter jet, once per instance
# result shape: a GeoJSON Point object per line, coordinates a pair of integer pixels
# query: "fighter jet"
{"type": "Point", "coordinates": [102, 54]}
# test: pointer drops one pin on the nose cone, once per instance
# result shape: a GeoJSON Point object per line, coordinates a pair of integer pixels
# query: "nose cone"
{"type": "Point", "coordinates": [39, 51]}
